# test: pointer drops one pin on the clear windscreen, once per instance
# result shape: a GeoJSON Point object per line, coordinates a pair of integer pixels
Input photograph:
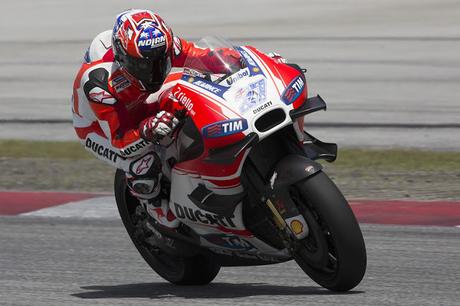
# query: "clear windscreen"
{"type": "Point", "coordinates": [218, 61]}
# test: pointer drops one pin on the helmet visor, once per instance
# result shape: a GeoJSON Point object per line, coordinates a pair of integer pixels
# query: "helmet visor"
{"type": "Point", "coordinates": [150, 71]}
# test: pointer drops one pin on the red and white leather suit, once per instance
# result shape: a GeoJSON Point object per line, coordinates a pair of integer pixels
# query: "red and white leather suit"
{"type": "Point", "coordinates": [109, 105]}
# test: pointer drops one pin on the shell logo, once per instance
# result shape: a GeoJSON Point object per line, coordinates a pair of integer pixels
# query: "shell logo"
{"type": "Point", "coordinates": [296, 226]}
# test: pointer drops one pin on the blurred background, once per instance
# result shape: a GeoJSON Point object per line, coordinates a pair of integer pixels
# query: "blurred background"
{"type": "Point", "coordinates": [389, 70]}
{"type": "Point", "coordinates": [390, 74]}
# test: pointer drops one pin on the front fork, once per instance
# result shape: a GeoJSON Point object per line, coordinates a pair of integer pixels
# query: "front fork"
{"type": "Point", "coordinates": [286, 215]}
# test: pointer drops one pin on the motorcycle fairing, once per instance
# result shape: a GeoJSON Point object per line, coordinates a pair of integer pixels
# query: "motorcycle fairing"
{"type": "Point", "coordinates": [254, 68]}
{"type": "Point", "coordinates": [227, 225]}
{"type": "Point", "coordinates": [211, 88]}
{"type": "Point", "coordinates": [228, 154]}
{"type": "Point", "coordinates": [291, 169]}
{"type": "Point", "coordinates": [255, 98]}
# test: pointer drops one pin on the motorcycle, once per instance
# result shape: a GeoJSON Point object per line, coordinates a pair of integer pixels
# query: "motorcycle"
{"type": "Point", "coordinates": [241, 175]}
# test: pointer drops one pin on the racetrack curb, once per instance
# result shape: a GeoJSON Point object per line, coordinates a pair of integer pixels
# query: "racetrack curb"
{"type": "Point", "coordinates": [102, 205]}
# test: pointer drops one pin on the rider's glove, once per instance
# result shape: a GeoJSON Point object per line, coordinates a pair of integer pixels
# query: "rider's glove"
{"type": "Point", "coordinates": [157, 127]}
{"type": "Point", "coordinates": [277, 57]}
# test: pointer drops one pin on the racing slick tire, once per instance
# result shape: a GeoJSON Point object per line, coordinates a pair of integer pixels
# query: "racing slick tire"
{"type": "Point", "coordinates": [194, 270]}
{"type": "Point", "coordinates": [333, 254]}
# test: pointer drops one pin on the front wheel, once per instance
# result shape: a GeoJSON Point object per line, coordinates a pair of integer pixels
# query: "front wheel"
{"type": "Point", "coordinates": [190, 270]}
{"type": "Point", "coordinates": [333, 254]}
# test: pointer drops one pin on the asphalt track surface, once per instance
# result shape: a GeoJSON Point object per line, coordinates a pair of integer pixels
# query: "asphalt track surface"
{"type": "Point", "coordinates": [69, 248]}
{"type": "Point", "coordinates": [389, 70]}
{"type": "Point", "coordinates": [57, 261]}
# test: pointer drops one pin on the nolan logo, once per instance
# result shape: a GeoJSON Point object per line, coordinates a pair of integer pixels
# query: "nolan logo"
{"type": "Point", "coordinates": [225, 128]}
{"type": "Point", "coordinates": [152, 42]}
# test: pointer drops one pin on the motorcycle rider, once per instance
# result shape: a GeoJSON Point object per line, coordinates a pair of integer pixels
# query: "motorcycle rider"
{"type": "Point", "coordinates": [111, 113]}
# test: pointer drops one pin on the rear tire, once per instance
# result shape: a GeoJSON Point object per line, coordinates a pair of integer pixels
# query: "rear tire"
{"type": "Point", "coordinates": [333, 254]}
{"type": "Point", "coordinates": [196, 270]}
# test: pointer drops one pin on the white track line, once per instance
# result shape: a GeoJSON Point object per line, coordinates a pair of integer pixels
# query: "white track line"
{"type": "Point", "coordinates": [94, 208]}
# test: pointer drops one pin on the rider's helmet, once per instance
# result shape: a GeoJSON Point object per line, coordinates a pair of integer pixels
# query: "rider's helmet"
{"type": "Point", "coordinates": [142, 45]}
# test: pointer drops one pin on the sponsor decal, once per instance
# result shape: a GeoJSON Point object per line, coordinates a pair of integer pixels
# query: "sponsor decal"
{"type": "Point", "coordinates": [150, 37]}
{"type": "Point", "coordinates": [298, 226]}
{"type": "Point", "coordinates": [133, 148]}
{"type": "Point", "coordinates": [190, 73]}
{"type": "Point", "coordinates": [143, 165]}
{"type": "Point", "coordinates": [183, 99]}
{"type": "Point", "coordinates": [262, 107]}
{"type": "Point", "coordinates": [152, 42]}
{"type": "Point", "coordinates": [253, 95]}
{"type": "Point", "coordinates": [247, 57]}
{"type": "Point", "coordinates": [252, 65]}
{"type": "Point", "coordinates": [101, 150]}
{"type": "Point", "coordinates": [203, 217]}
{"type": "Point", "coordinates": [230, 242]}
{"type": "Point", "coordinates": [293, 90]}
{"type": "Point", "coordinates": [197, 79]}
{"type": "Point", "coordinates": [237, 76]}
{"type": "Point", "coordinates": [101, 96]}
{"type": "Point", "coordinates": [224, 128]}
{"type": "Point", "coordinates": [257, 92]}
{"type": "Point", "coordinates": [120, 83]}
{"type": "Point", "coordinates": [208, 86]}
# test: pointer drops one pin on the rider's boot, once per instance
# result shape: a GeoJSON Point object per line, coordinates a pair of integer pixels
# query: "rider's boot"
{"type": "Point", "coordinates": [159, 210]}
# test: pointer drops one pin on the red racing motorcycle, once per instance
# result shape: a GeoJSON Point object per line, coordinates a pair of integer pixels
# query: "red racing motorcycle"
{"type": "Point", "coordinates": [240, 174]}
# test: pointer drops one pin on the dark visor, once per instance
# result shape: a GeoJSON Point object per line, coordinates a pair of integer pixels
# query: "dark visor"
{"type": "Point", "coordinates": [149, 70]}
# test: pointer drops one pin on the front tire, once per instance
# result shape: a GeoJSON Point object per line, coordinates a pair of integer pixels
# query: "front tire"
{"type": "Point", "coordinates": [195, 270]}
{"type": "Point", "coordinates": [333, 254]}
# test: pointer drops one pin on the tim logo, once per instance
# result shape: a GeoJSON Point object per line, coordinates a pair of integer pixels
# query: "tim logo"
{"type": "Point", "coordinates": [230, 242]}
{"type": "Point", "coordinates": [293, 90]}
{"type": "Point", "coordinates": [225, 128]}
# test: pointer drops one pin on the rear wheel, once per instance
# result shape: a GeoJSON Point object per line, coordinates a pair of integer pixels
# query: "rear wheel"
{"type": "Point", "coordinates": [194, 270]}
{"type": "Point", "coordinates": [333, 254]}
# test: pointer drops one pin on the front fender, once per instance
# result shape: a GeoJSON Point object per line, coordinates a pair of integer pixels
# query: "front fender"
{"type": "Point", "coordinates": [292, 169]}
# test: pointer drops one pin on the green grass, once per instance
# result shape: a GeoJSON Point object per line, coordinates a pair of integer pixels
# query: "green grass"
{"type": "Point", "coordinates": [43, 149]}
{"type": "Point", "coordinates": [394, 159]}
{"type": "Point", "coordinates": [347, 158]}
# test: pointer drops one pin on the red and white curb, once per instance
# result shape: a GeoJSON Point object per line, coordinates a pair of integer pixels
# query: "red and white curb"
{"type": "Point", "coordinates": [102, 206]}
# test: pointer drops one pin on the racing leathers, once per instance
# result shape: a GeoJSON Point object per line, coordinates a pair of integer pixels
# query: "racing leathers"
{"type": "Point", "coordinates": [111, 111]}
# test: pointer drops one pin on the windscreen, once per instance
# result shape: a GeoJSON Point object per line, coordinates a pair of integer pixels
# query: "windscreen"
{"type": "Point", "coordinates": [216, 61]}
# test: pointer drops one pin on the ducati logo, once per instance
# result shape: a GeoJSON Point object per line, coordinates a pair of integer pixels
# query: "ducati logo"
{"type": "Point", "coordinates": [197, 215]}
